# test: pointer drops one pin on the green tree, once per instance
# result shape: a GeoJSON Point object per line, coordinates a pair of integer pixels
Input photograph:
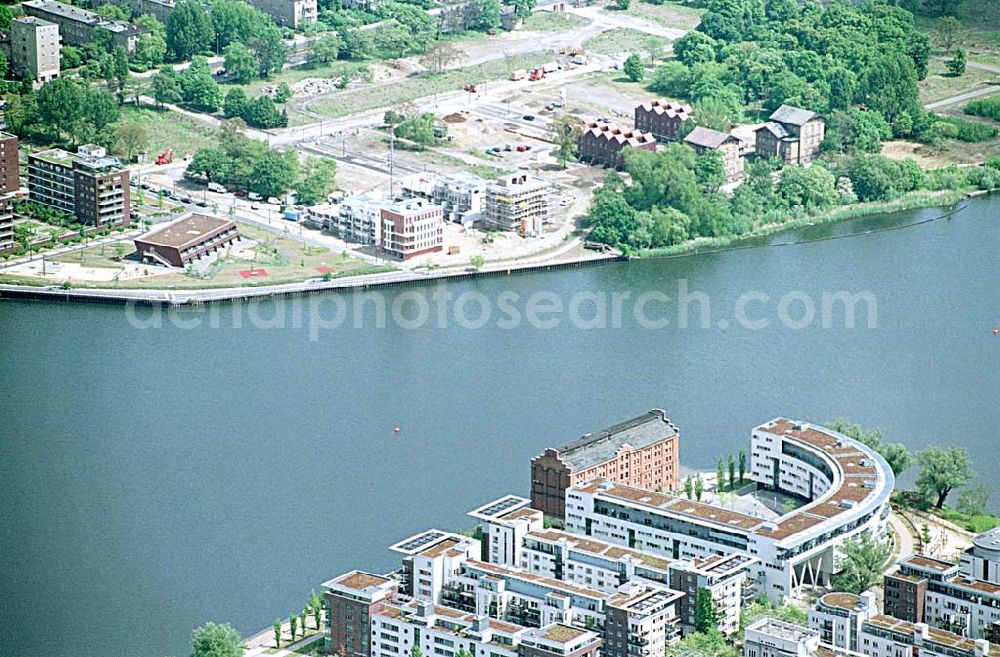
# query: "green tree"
{"type": "Point", "coordinates": [742, 465]}
{"type": "Point", "coordinates": [895, 454]}
{"type": "Point", "coordinates": [705, 618]}
{"type": "Point", "coordinates": [477, 262]}
{"type": "Point", "coordinates": [293, 621]}
{"type": "Point", "coordinates": [623, 5]}
{"type": "Point", "coordinates": [956, 65]}
{"type": "Point", "coordinates": [316, 605]}
{"type": "Point", "coordinates": [699, 487]}
{"type": "Point", "coordinates": [213, 640]}
{"type": "Point", "coordinates": [566, 135]}
{"type": "Point", "coordinates": [949, 32]}
{"type": "Point", "coordinates": [269, 49]}
{"type": "Point", "coordinates": [132, 138]}
{"type": "Point", "coordinates": [732, 472]}
{"type": "Point", "coordinates": [325, 49]}
{"type": "Point", "coordinates": [483, 15]}
{"type": "Point", "coordinates": [234, 21]}
{"type": "Point", "coordinates": [710, 171]}
{"type": "Point", "coordinates": [167, 87]}
{"type": "Point", "coordinates": [863, 563]}
{"type": "Point", "coordinates": [198, 88]}
{"type": "Point", "coordinates": [235, 103]}
{"type": "Point", "coordinates": [720, 474]}
{"type": "Point", "coordinates": [942, 469]}
{"type": "Point", "coordinates": [634, 68]}
{"type": "Point", "coordinates": [240, 63]}
{"type": "Point", "coordinates": [415, 651]}
{"type": "Point", "coordinates": [213, 163]}
{"type": "Point", "coordinates": [523, 8]}
{"type": "Point", "coordinates": [972, 501]}
{"type": "Point", "coordinates": [671, 79]}
{"type": "Point", "coordinates": [419, 129]}
{"type": "Point", "coordinates": [702, 644]}
{"type": "Point", "coordinates": [274, 172]}
{"type": "Point", "coordinates": [689, 487]}
{"type": "Point", "coordinates": [283, 93]}
{"type": "Point", "coordinates": [316, 180]}
{"type": "Point", "coordinates": [813, 188]}
{"type": "Point", "coordinates": [695, 48]}
{"type": "Point", "coordinates": [277, 632]}
{"type": "Point", "coordinates": [189, 30]}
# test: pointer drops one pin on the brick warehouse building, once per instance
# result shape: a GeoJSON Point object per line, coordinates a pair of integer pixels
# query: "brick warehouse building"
{"type": "Point", "coordinates": [640, 452]}
{"type": "Point", "coordinates": [665, 119]}
{"type": "Point", "coordinates": [603, 143]}
{"type": "Point", "coordinates": [186, 240]}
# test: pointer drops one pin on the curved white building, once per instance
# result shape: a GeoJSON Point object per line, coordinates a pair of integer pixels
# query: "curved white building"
{"type": "Point", "coordinates": [846, 486]}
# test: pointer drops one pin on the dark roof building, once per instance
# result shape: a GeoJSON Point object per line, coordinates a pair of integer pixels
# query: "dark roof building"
{"type": "Point", "coordinates": [185, 240]}
{"type": "Point", "coordinates": [649, 443]}
{"type": "Point", "coordinates": [602, 143]}
{"type": "Point", "coordinates": [792, 134]}
{"type": "Point", "coordinates": [726, 145]}
{"type": "Point", "coordinates": [663, 118]}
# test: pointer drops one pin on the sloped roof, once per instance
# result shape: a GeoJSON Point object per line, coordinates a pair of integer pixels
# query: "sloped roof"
{"type": "Point", "coordinates": [775, 129]}
{"type": "Point", "coordinates": [792, 115]}
{"type": "Point", "coordinates": [708, 138]}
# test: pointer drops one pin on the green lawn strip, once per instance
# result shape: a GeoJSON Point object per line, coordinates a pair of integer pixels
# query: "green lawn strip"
{"type": "Point", "coordinates": [668, 14]}
{"type": "Point", "coordinates": [938, 85]}
{"type": "Point", "coordinates": [614, 42]}
{"type": "Point", "coordinates": [169, 130]}
{"type": "Point", "coordinates": [549, 21]}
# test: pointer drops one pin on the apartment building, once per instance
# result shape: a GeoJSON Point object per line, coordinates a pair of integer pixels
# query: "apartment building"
{"type": "Point", "coordinates": [89, 184]}
{"type": "Point", "coordinates": [728, 580]}
{"type": "Point", "coordinates": [664, 119]}
{"type": "Point", "coordinates": [460, 194]}
{"type": "Point", "coordinates": [963, 598]}
{"type": "Point", "coordinates": [295, 14]}
{"type": "Point", "coordinates": [430, 558]}
{"type": "Point", "coordinates": [769, 637]}
{"type": "Point", "coordinates": [728, 147]}
{"type": "Point", "coordinates": [186, 240]}
{"type": "Point", "coordinates": [79, 26]}
{"type": "Point", "coordinates": [792, 134]}
{"type": "Point", "coordinates": [603, 143]}
{"type": "Point", "coordinates": [161, 9]}
{"type": "Point", "coordinates": [885, 636]}
{"type": "Point", "coordinates": [641, 452]}
{"type": "Point", "coordinates": [10, 182]}
{"type": "Point", "coordinates": [410, 228]}
{"type": "Point", "coordinates": [518, 203]}
{"type": "Point", "coordinates": [838, 617]}
{"type": "Point", "coordinates": [641, 621]}
{"type": "Point", "coordinates": [356, 219]}
{"type": "Point", "coordinates": [34, 48]}
{"type": "Point", "coordinates": [845, 483]}
{"type": "Point", "coordinates": [351, 601]}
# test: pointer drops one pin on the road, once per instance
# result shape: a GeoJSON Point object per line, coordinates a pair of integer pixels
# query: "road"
{"type": "Point", "coordinates": [905, 544]}
{"type": "Point", "coordinates": [984, 91]}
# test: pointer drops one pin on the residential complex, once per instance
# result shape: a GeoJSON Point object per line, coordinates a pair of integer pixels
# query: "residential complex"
{"type": "Point", "coordinates": [10, 182]}
{"type": "Point", "coordinates": [603, 143]}
{"type": "Point", "coordinates": [295, 14]}
{"type": "Point", "coordinates": [88, 184]}
{"type": "Point", "coordinates": [410, 228]}
{"type": "Point", "coordinates": [355, 219]}
{"type": "Point", "coordinates": [518, 203]}
{"type": "Point", "coordinates": [34, 48]}
{"type": "Point", "coordinates": [79, 26]}
{"type": "Point", "coordinates": [641, 452]}
{"type": "Point", "coordinates": [460, 195]}
{"type": "Point", "coordinates": [838, 617]}
{"type": "Point", "coordinates": [963, 598]}
{"type": "Point", "coordinates": [792, 134]}
{"type": "Point", "coordinates": [186, 240]}
{"type": "Point", "coordinates": [728, 147]}
{"type": "Point", "coordinates": [161, 9]}
{"type": "Point", "coordinates": [664, 119]}
{"type": "Point", "coordinates": [845, 486]}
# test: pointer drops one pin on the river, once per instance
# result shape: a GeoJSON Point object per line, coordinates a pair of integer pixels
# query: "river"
{"type": "Point", "coordinates": [153, 479]}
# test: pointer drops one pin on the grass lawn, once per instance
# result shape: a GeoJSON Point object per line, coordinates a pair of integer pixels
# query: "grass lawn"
{"type": "Point", "coordinates": [314, 644]}
{"type": "Point", "coordinates": [980, 26]}
{"type": "Point", "coordinates": [409, 89]}
{"type": "Point", "coordinates": [167, 129]}
{"type": "Point", "coordinates": [285, 259]}
{"type": "Point", "coordinates": [669, 14]}
{"type": "Point", "coordinates": [292, 75]}
{"type": "Point", "coordinates": [938, 86]}
{"type": "Point", "coordinates": [614, 42]}
{"type": "Point", "coordinates": [548, 21]}
{"type": "Point", "coordinates": [977, 524]}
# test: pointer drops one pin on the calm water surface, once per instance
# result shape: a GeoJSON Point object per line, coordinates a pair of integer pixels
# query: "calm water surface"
{"type": "Point", "coordinates": [152, 480]}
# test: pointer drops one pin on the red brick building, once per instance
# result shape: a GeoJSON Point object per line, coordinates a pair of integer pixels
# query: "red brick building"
{"type": "Point", "coordinates": [412, 227]}
{"type": "Point", "coordinates": [729, 148]}
{"type": "Point", "coordinates": [10, 181]}
{"type": "Point", "coordinates": [665, 119]}
{"type": "Point", "coordinates": [792, 134]}
{"type": "Point", "coordinates": [351, 599]}
{"type": "Point", "coordinates": [904, 597]}
{"type": "Point", "coordinates": [603, 143]}
{"type": "Point", "coordinates": [641, 452]}
{"type": "Point", "coordinates": [186, 240]}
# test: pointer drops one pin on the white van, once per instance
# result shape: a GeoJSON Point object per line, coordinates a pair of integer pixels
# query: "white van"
{"type": "Point", "coordinates": [216, 187]}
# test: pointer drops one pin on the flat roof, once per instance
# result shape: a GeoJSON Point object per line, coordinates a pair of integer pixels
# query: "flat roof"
{"type": "Point", "coordinates": [935, 635]}
{"type": "Point", "coordinates": [500, 507]}
{"type": "Point", "coordinates": [554, 584]}
{"type": "Point", "coordinates": [847, 601]}
{"type": "Point", "coordinates": [429, 543]}
{"type": "Point", "coordinates": [600, 548]}
{"type": "Point", "coordinates": [360, 580]}
{"type": "Point", "coordinates": [562, 633]}
{"type": "Point", "coordinates": [186, 231]}
{"type": "Point", "coordinates": [592, 449]}
{"type": "Point", "coordinates": [929, 563]}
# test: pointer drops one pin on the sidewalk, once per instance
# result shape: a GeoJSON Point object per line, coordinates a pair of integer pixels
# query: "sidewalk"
{"type": "Point", "coordinates": [262, 642]}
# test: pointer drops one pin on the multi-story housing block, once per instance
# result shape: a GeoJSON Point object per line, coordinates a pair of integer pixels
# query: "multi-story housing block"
{"type": "Point", "coordinates": [295, 14]}
{"type": "Point", "coordinates": [838, 617]}
{"type": "Point", "coordinates": [769, 637]}
{"type": "Point", "coordinates": [792, 134]}
{"type": "Point", "coordinates": [34, 48]}
{"type": "Point", "coordinates": [641, 621]}
{"type": "Point", "coordinates": [664, 119]}
{"type": "Point", "coordinates": [411, 227]}
{"type": "Point", "coordinates": [351, 601]}
{"type": "Point", "coordinates": [356, 219]}
{"type": "Point", "coordinates": [603, 143]}
{"type": "Point", "coordinates": [89, 184]}
{"type": "Point", "coordinates": [518, 203]}
{"type": "Point", "coordinates": [10, 182]}
{"type": "Point", "coordinates": [847, 487]}
{"type": "Point", "coordinates": [78, 26]}
{"type": "Point", "coordinates": [640, 452]}
{"type": "Point", "coordinates": [431, 558]}
{"type": "Point", "coordinates": [460, 195]}
{"type": "Point", "coordinates": [726, 578]}
{"type": "Point", "coordinates": [728, 147]}
{"type": "Point", "coordinates": [885, 636]}
{"type": "Point", "coordinates": [963, 598]}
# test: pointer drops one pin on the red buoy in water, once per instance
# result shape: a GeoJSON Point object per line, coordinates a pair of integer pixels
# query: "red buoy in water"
{"type": "Point", "coordinates": [396, 429]}
{"type": "Point", "coordinates": [996, 331]}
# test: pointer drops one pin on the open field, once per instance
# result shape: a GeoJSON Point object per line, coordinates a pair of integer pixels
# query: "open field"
{"type": "Point", "coordinates": [346, 69]}
{"type": "Point", "coordinates": [286, 260]}
{"type": "Point", "coordinates": [670, 14]}
{"type": "Point", "coordinates": [980, 21]}
{"type": "Point", "coordinates": [545, 21]}
{"type": "Point", "coordinates": [951, 151]}
{"type": "Point", "coordinates": [168, 129]}
{"type": "Point", "coordinates": [614, 42]}
{"type": "Point", "coordinates": [409, 89]}
{"type": "Point", "coordinates": [938, 86]}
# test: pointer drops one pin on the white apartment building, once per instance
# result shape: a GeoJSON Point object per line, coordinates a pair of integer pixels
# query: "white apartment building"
{"type": "Point", "coordinates": [505, 523]}
{"type": "Point", "coordinates": [295, 14]}
{"type": "Point", "coordinates": [356, 219]}
{"type": "Point", "coordinates": [460, 194]}
{"type": "Point", "coordinates": [433, 558]}
{"type": "Point", "coordinates": [34, 48]}
{"type": "Point", "coordinates": [727, 578]}
{"type": "Point", "coordinates": [885, 636]}
{"type": "Point", "coordinates": [769, 637]}
{"type": "Point", "coordinates": [837, 617]}
{"type": "Point", "coordinates": [846, 486]}
{"type": "Point", "coordinates": [641, 621]}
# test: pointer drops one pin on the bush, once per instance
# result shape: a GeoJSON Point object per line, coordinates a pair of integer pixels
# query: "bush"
{"type": "Point", "coordinates": [971, 131]}
{"type": "Point", "coordinates": [988, 107]}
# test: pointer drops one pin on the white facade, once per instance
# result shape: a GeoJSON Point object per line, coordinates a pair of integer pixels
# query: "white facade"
{"type": "Point", "coordinates": [505, 524]}
{"type": "Point", "coordinates": [433, 558]}
{"type": "Point", "coordinates": [885, 636]}
{"type": "Point", "coordinates": [838, 617]}
{"type": "Point", "coordinates": [847, 485]}
{"type": "Point", "coordinates": [773, 638]}
{"type": "Point", "coordinates": [357, 219]}
{"type": "Point", "coordinates": [34, 46]}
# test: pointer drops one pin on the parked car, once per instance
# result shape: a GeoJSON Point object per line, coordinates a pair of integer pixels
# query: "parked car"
{"type": "Point", "coordinates": [185, 199]}
{"type": "Point", "coordinates": [528, 117]}
{"type": "Point", "coordinates": [254, 196]}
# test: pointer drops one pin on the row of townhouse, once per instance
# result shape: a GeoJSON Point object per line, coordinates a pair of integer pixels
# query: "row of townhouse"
{"type": "Point", "coordinates": [960, 597]}
{"type": "Point", "coordinates": [848, 625]}
{"type": "Point", "coordinates": [398, 229]}
{"type": "Point", "coordinates": [791, 134]}
{"type": "Point", "coordinates": [844, 485]}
